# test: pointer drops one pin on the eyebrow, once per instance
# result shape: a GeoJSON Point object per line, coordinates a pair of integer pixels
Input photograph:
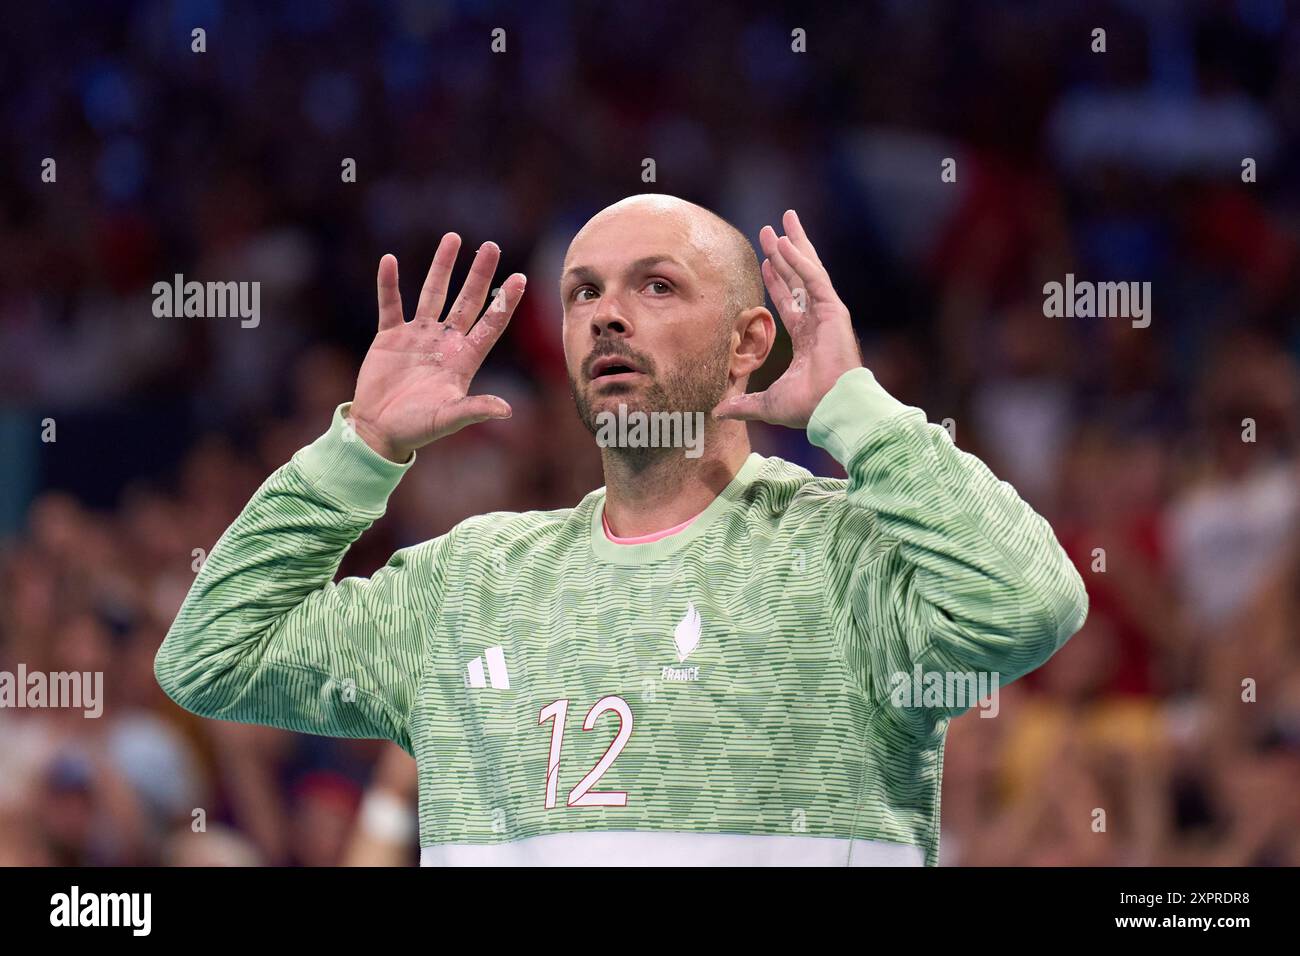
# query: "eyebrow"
{"type": "Point", "coordinates": [588, 274]}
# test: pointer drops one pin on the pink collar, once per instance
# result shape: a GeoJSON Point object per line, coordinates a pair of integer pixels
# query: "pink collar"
{"type": "Point", "coordinates": [644, 538]}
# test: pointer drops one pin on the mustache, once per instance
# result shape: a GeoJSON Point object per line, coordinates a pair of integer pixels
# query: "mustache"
{"type": "Point", "coordinates": [608, 348]}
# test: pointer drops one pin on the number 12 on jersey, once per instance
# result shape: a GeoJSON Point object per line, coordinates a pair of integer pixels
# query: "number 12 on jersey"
{"type": "Point", "coordinates": [582, 795]}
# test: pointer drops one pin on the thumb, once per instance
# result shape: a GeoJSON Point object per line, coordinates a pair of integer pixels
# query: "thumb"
{"type": "Point", "coordinates": [478, 408]}
{"type": "Point", "coordinates": [749, 407]}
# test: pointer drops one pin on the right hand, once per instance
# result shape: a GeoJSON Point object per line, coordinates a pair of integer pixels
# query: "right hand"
{"type": "Point", "coordinates": [414, 381]}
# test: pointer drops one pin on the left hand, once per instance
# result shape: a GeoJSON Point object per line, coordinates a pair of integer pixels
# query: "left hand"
{"type": "Point", "coordinates": [821, 332]}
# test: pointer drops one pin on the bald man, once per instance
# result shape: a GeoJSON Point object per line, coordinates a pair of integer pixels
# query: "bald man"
{"type": "Point", "coordinates": [714, 659]}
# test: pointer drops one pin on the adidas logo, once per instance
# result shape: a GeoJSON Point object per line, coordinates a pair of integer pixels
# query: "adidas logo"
{"type": "Point", "coordinates": [497, 674]}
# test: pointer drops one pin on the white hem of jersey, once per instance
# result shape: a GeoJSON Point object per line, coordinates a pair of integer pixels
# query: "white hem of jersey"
{"type": "Point", "coordinates": [660, 848]}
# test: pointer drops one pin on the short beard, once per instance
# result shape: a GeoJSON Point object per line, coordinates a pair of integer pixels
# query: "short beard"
{"type": "Point", "coordinates": [698, 387]}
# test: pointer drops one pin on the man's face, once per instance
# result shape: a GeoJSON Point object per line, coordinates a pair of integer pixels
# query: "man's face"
{"type": "Point", "coordinates": [644, 296]}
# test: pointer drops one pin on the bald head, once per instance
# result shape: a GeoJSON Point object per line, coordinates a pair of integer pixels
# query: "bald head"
{"type": "Point", "coordinates": [722, 244]}
{"type": "Point", "coordinates": [663, 309]}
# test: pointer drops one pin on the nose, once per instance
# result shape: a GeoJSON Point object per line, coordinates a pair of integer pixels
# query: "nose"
{"type": "Point", "coordinates": [609, 319]}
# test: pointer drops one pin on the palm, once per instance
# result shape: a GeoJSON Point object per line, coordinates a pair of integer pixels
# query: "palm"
{"type": "Point", "coordinates": [414, 383]}
{"type": "Point", "coordinates": [821, 332]}
{"type": "Point", "coordinates": [406, 387]}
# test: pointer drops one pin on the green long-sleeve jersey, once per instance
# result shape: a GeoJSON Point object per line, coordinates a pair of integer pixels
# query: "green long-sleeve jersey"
{"type": "Point", "coordinates": [738, 692]}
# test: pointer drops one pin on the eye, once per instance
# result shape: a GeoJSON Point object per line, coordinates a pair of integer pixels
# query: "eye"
{"type": "Point", "coordinates": [578, 294]}
{"type": "Point", "coordinates": [663, 287]}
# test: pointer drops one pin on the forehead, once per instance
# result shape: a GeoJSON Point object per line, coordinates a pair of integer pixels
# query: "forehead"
{"type": "Point", "coordinates": [613, 239]}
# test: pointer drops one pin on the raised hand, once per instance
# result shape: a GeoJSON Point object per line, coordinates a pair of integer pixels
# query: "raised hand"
{"type": "Point", "coordinates": [414, 383]}
{"type": "Point", "coordinates": [821, 332]}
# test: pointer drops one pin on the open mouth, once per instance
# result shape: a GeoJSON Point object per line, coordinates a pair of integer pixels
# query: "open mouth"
{"type": "Point", "coordinates": [613, 368]}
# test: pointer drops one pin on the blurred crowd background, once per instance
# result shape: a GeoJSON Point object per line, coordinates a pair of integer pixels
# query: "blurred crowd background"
{"type": "Point", "coordinates": [226, 165]}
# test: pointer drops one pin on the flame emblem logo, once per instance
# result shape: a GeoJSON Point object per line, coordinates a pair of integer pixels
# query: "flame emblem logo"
{"type": "Point", "coordinates": [687, 635]}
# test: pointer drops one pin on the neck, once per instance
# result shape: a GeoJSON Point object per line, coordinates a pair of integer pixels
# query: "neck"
{"type": "Point", "coordinates": [650, 489]}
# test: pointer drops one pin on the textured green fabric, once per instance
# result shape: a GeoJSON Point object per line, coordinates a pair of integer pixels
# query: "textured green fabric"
{"type": "Point", "coordinates": [809, 594]}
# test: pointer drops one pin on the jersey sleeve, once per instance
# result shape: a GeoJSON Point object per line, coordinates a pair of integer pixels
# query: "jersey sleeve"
{"type": "Point", "coordinates": [266, 636]}
{"type": "Point", "coordinates": [932, 564]}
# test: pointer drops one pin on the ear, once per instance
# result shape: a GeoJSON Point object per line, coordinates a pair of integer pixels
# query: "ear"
{"type": "Point", "coordinates": [752, 337]}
